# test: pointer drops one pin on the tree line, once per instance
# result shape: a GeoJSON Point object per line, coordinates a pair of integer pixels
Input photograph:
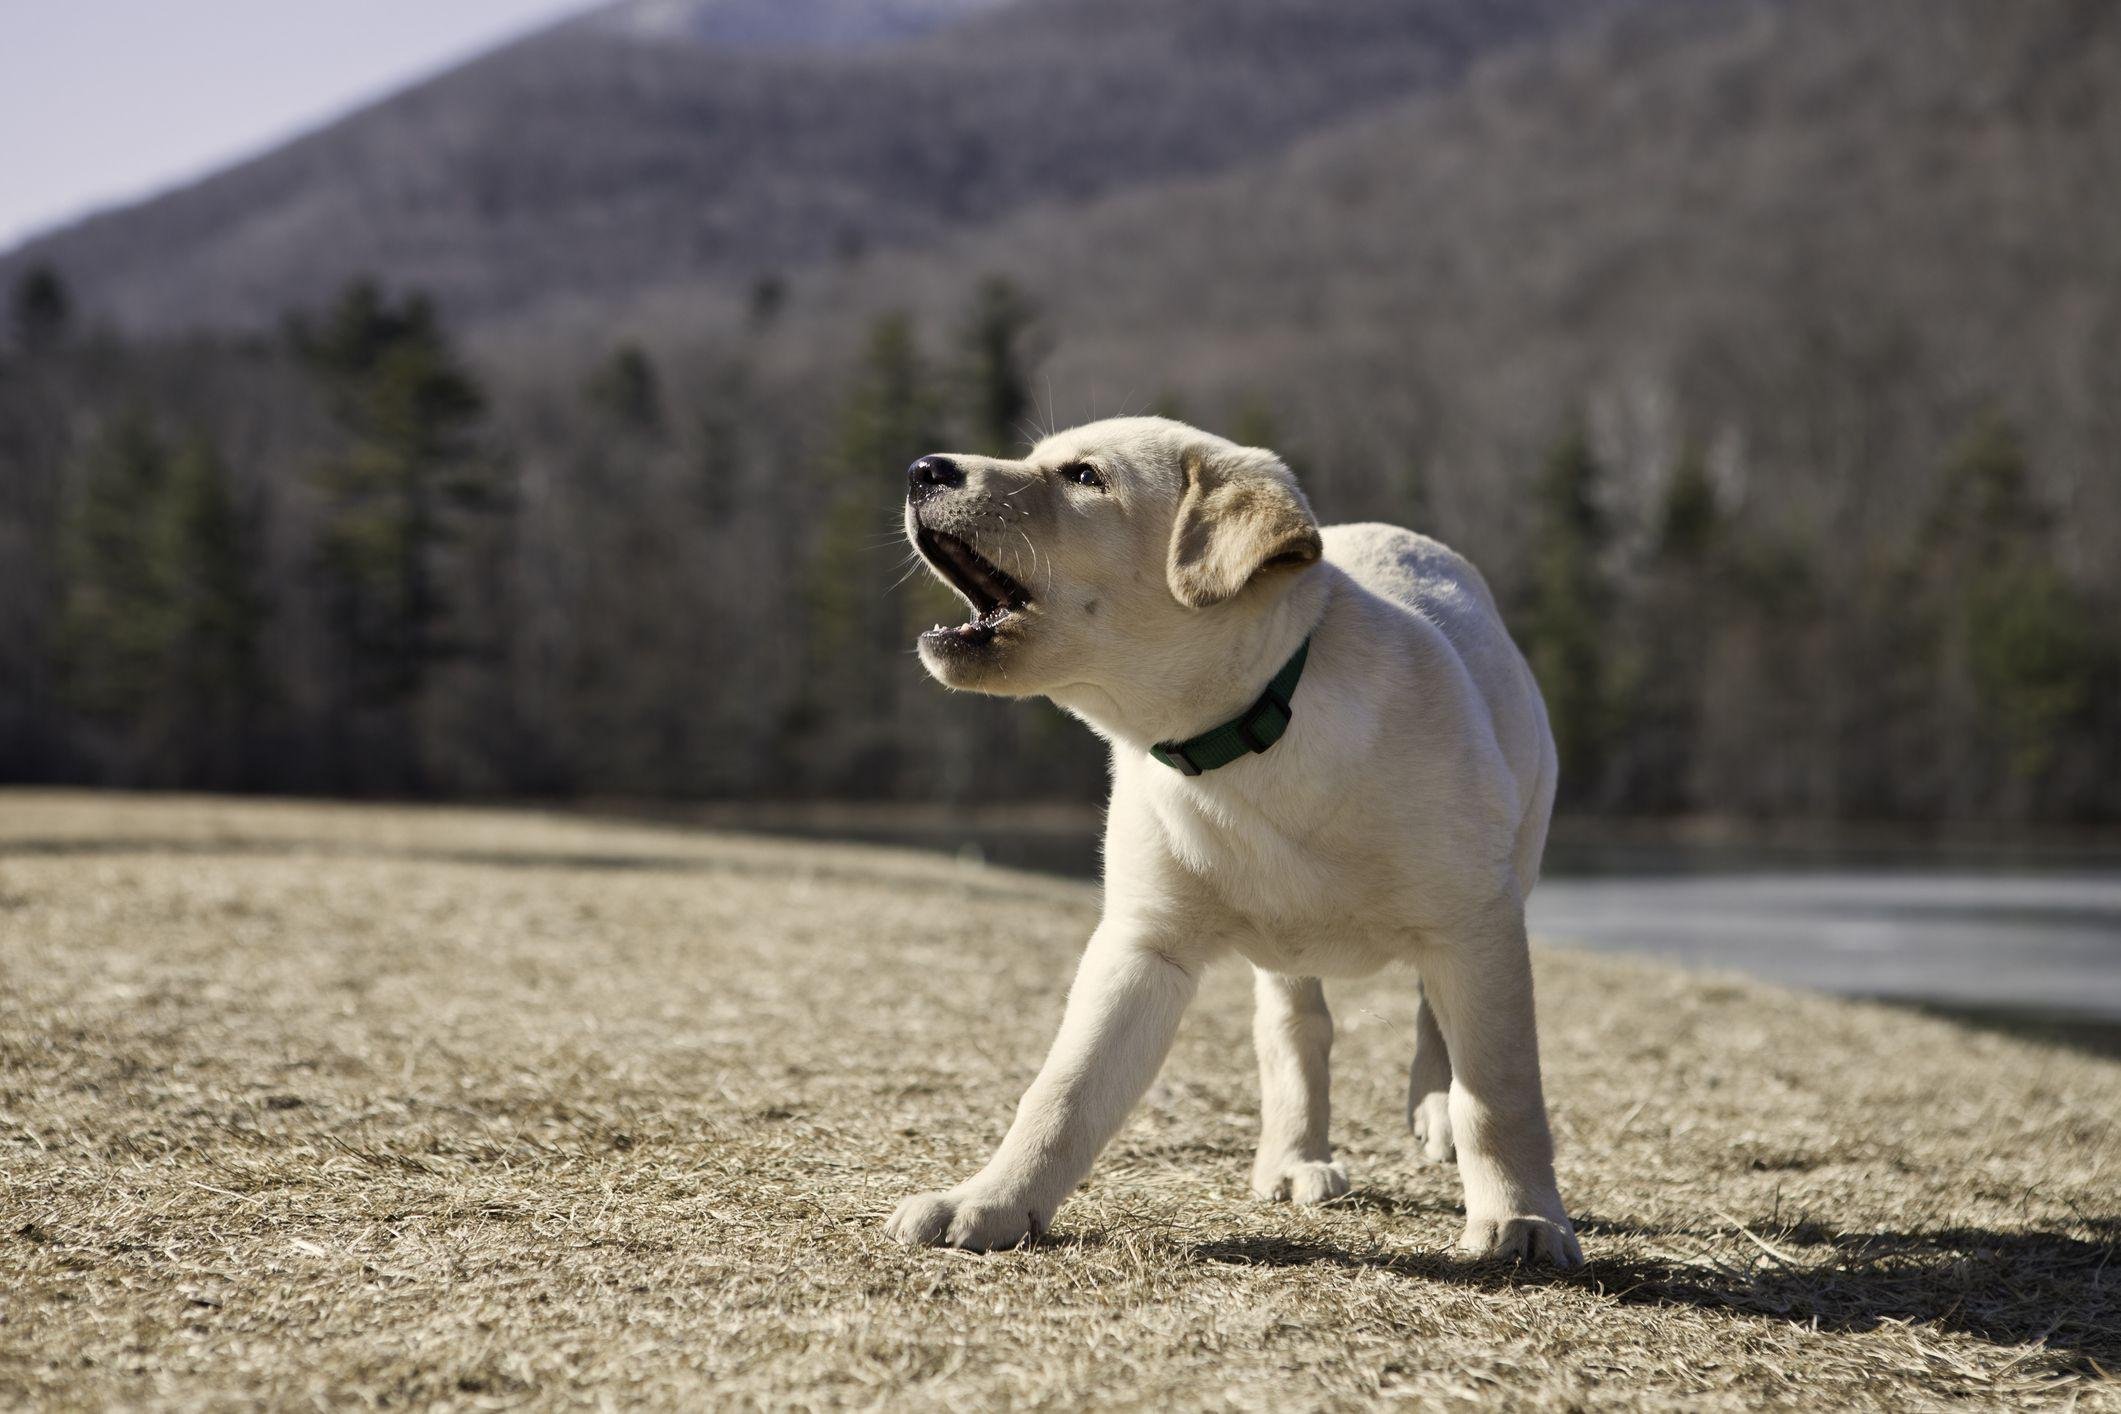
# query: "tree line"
{"type": "Point", "coordinates": [352, 557]}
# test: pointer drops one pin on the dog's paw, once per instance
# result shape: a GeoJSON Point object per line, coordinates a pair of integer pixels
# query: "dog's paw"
{"type": "Point", "coordinates": [1523, 1238]}
{"type": "Point", "coordinates": [1298, 1181]}
{"type": "Point", "coordinates": [961, 1219]}
{"type": "Point", "coordinates": [1432, 1127]}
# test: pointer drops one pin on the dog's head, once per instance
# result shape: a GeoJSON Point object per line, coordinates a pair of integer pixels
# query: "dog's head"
{"type": "Point", "coordinates": [1108, 544]}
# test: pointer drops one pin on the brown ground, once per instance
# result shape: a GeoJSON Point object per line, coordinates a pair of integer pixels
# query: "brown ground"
{"type": "Point", "coordinates": [327, 1105]}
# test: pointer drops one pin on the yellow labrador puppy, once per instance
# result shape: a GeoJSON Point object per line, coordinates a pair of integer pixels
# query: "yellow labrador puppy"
{"type": "Point", "coordinates": [1327, 755]}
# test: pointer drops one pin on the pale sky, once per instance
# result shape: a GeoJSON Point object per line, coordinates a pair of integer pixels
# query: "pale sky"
{"type": "Point", "coordinates": [104, 101]}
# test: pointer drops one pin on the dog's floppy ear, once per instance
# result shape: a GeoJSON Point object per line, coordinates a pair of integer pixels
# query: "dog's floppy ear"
{"type": "Point", "coordinates": [1241, 514]}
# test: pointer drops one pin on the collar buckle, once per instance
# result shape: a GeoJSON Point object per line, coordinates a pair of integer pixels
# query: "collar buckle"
{"type": "Point", "coordinates": [1249, 727]}
{"type": "Point", "coordinates": [1173, 754]}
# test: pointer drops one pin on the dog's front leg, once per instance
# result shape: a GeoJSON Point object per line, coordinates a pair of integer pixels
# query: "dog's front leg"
{"type": "Point", "coordinates": [1122, 1013]}
{"type": "Point", "coordinates": [1293, 1033]}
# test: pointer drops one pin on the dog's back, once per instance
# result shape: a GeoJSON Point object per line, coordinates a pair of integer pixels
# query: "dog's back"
{"type": "Point", "coordinates": [1434, 583]}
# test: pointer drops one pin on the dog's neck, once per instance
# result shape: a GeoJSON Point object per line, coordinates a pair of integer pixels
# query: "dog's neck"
{"type": "Point", "coordinates": [1203, 676]}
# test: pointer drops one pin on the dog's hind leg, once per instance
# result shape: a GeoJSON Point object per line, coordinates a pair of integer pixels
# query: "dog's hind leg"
{"type": "Point", "coordinates": [1480, 982]}
{"type": "Point", "coordinates": [1293, 1033]}
{"type": "Point", "coordinates": [1429, 1084]}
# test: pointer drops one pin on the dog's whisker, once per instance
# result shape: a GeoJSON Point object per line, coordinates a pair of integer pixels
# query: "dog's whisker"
{"type": "Point", "coordinates": [1030, 550]}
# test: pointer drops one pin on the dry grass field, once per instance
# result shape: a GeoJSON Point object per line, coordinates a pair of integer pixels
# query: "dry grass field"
{"type": "Point", "coordinates": [310, 1105]}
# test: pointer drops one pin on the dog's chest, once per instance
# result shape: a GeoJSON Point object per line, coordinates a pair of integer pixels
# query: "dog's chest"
{"type": "Point", "coordinates": [1313, 905]}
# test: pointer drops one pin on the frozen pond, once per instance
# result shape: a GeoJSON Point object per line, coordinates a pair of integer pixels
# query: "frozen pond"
{"type": "Point", "coordinates": [2048, 942]}
{"type": "Point", "coordinates": [1988, 928]}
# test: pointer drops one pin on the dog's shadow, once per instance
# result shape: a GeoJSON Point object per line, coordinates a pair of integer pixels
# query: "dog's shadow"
{"type": "Point", "coordinates": [2011, 1288]}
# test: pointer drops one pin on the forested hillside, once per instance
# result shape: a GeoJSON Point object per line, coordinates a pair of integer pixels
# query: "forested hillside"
{"type": "Point", "coordinates": [595, 160]}
{"type": "Point", "coordinates": [1766, 355]}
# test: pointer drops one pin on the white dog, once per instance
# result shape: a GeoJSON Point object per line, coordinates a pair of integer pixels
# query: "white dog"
{"type": "Point", "coordinates": [1327, 755]}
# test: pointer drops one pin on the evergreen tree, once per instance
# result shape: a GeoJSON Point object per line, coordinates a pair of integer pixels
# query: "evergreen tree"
{"type": "Point", "coordinates": [113, 623]}
{"type": "Point", "coordinates": [411, 504]}
{"type": "Point", "coordinates": [1689, 522]}
{"type": "Point", "coordinates": [1657, 679]}
{"type": "Point", "coordinates": [1987, 508]}
{"type": "Point", "coordinates": [2032, 645]}
{"type": "Point", "coordinates": [1254, 424]}
{"type": "Point", "coordinates": [207, 559]}
{"type": "Point", "coordinates": [625, 389]}
{"type": "Point", "coordinates": [1410, 495]}
{"type": "Point", "coordinates": [2010, 619]}
{"type": "Point", "coordinates": [42, 309]}
{"type": "Point", "coordinates": [160, 624]}
{"type": "Point", "coordinates": [891, 417]}
{"type": "Point", "coordinates": [769, 293]}
{"type": "Point", "coordinates": [1569, 610]}
{"type": "Point", "coordinates": [999, 352]}
{"type": "Point", "coordinates": [719, 464]}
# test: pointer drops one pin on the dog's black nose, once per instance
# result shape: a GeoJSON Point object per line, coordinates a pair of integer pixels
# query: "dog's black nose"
{"type": "Point", "coordinates": [929, 473]}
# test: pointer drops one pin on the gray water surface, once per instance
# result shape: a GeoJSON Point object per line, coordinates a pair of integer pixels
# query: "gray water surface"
{"type": "Point", "coordinates": [2019, 942]}
{"type": "Point", "coordinates": [1992, 928]}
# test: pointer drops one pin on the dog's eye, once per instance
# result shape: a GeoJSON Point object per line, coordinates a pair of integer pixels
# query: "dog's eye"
{"type": "Point", "coordinates": [1083, 474]}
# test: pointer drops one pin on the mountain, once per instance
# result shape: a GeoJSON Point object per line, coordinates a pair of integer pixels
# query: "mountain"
{"type": "Point", "coordinates": [1819, 238]}
{"type": "Point", "coordinates": [1765, 355]}
{"type": "Point", "coordinates": [636, 147]}
{"type": "Point", "coordinates": [784, 24]}
{"type": "Point", "coordinates": [1838, 287]}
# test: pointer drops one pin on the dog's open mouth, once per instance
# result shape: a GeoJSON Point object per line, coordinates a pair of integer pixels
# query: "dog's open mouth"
{"type": "Point", "coordinates": [993, 596]}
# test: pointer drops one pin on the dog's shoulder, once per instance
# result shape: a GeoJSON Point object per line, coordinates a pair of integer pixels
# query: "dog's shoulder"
{"type": "Point", "coordinates": [1411, 570]}
{"type": "Point", "coordinates": [1432, 607]}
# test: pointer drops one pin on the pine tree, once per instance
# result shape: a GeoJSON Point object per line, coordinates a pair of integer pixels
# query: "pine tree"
{"type": "Point", "coordinates": [207, 563]}
{"type": "Point", "coordinates": [160, 625]}
{"type": "Point", "coordinates": [1689, 522]}
{"type": "Point", "coordinates": [999, 352]}
{"type": "Point", "coordinates": [2010, 618]}
{"type": "Point", "coordinates": [1254, 424]}
{"type": "Point", "coordinates": [1986, 508]}
{"type": "Point", "coordinates": [718, 465]}
{"type": "Point", "coordinates": [626, 390]}
{"type": "Point", "coordinates": [769, 293]}
{"type": "Point", "coordinates": [412, 506]}
{"type": "Point", "coordinates": [1568, 612]}
{"type": "Point", "coordinates": [1656, 680]}
{"type": "Point", "coordinates": [42, 308]}
{"type": "Point", "coordinates": [1410, 495]}
{"type": "Point", "coordinates": [892, 417]}
{"type": "Point", "coordinates": [113, 623]}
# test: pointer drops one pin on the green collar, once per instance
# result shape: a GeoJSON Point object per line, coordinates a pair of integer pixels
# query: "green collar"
{"type": "Point", "coordinates": [1255, 729]}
